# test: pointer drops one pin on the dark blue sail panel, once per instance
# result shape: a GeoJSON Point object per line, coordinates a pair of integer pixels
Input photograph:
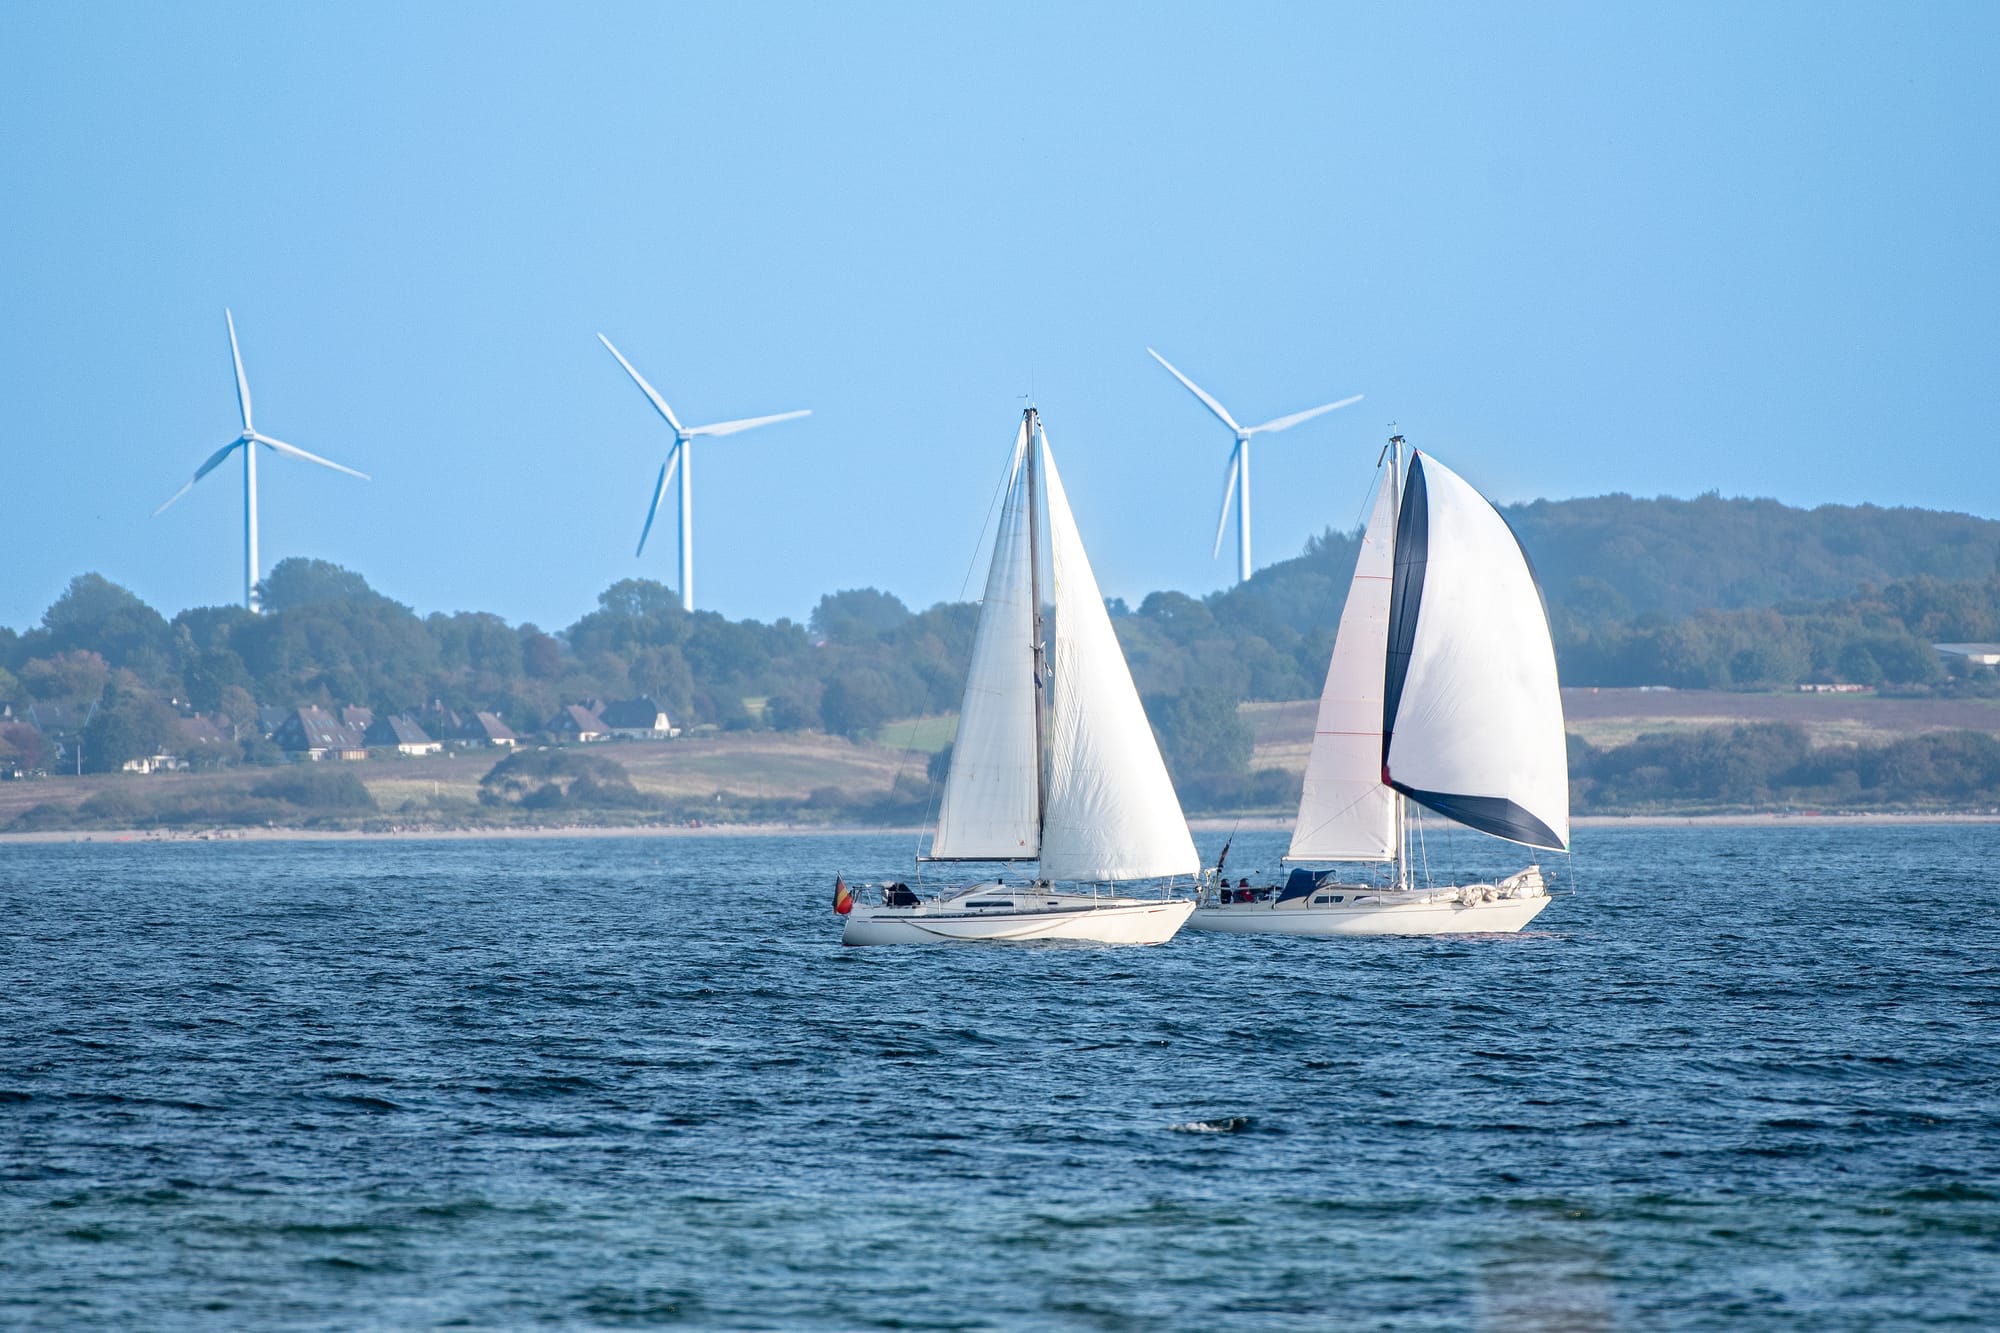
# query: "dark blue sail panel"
{"type": "Point", "coordinates": [1489, 814]}
{"type": "Point", "coordinates": [1406, 595]}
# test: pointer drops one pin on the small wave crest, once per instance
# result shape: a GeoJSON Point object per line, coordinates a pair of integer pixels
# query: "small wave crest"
{"type": "Point", "coordinates": [1229, 1124]}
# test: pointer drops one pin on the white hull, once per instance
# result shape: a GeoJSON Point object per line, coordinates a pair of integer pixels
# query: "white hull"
{"type": "Point", "coordinates": [1075, 918]}
{"type": "Point", "coordinates": [1472, 909]}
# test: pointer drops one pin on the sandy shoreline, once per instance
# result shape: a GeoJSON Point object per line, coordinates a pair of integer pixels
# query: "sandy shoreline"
{"type": "Point", "coordinates": [1256, 824]}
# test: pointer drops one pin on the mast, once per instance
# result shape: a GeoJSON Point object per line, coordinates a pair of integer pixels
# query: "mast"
{"type": "Point", "coordinates": [1033, 423]}
{"type": "Point", "coordinates": [1402, 809]}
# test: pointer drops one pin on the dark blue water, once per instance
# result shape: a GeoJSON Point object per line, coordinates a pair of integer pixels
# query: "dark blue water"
{"type": "Point", "coordinates": [1744, 1079]}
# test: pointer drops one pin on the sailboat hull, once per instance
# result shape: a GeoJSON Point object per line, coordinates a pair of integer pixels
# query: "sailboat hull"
{"type": "Point", "coordinates": [1077, 919]}
{"type": "Point", "coordinates": [1472, 909]}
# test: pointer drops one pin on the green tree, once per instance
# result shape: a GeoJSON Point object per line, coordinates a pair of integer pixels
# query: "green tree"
{"type": "Point", "coordinates": [1202, 736]}
{"type": "Point", "coordinates": [321, 787]}
{"type": "Point", "coordinates": [23, 747]}
{"type": "Point", "coordinates": [1857, 665]}
{"type": "Point", "coordinates": [296, 582]}
{"type": "Point", "coordinates": [97, 615]}
{"type": "Point", "coordinates": [134, 725]}
{"type": "Point", "coordinates": [858, 615]}
{"type": "Point", "coordinates": [660, 671]}
{"type": "Point", "coordinates": [795, 707]}
{"type": "Point", "coordinates": [240, 710]}
{"type": "Point", "coordinates": [856, 702]}
{"type": "Point", "coordinates": [547, 779]}
{"type": "Point", "coordinates": [213, 673]}
{"type": "Point", "coordinates": [541, 656]}
{"type": "Point", "coordinates": [78, 675]}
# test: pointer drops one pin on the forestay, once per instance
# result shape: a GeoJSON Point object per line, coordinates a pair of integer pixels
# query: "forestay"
{"type": "Point", "coordinates": [1472, 717]}
{"type": "Point", "coordinates": [1345, 813]}
{"type": "Point", "coordinates": [990, 793]}
{"type": "Point", "coordinates": [1112, 813]}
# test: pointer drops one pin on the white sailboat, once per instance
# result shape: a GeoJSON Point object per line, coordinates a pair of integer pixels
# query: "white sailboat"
{"type": "Point", "coordinates": [1054, 762]}
{"type": "Point", "coordinates": [1441, 691]}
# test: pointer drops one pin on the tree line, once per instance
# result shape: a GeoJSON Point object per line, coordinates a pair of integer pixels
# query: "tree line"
{"type": "Point", "coordinates": [1705, 592]}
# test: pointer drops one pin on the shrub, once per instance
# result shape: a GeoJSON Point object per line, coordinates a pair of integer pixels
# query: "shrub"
{"type": "Point", "coordinates": [311, 787]}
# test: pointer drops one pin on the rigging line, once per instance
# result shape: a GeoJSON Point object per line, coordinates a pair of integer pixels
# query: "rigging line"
{"type": "Point", "coordinates": [1367, 503]}
{"type": "Point", "coordinates": [1424, 851]}
{"type": "Point", "coordinates": [1345, 808]}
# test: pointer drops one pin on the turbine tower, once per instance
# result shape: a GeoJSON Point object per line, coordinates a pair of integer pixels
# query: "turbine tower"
{"type": "Point", "coordinates": [248, 442]}
{"type": "Point", "coordinates": [681, 458]}
{"type": "Point", "coordinates": [1239, 462]}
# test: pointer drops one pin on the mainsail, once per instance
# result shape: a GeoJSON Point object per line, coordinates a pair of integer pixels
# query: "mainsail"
{"type": "Point", "coordinates": [1345, 813]}
{"type": "Point", "coordinates": [991, 793]}
{"type": "Point", "coordinates": [1112, 813]}
{"type": "Point", "coordinates": [1471, 715]}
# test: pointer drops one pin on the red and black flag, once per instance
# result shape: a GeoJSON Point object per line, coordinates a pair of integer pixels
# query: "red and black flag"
{"type": "Point", "coordinates": [843, 897]}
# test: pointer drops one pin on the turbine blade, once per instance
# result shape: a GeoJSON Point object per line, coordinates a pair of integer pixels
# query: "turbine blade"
{"type": "Point", "coordinates": [297, 452]}
{"type": "Point", "coordinates": [652, 394]}
{"type": "Point", "coordinates": [213, 461]}
{"type": "Point", "coordinates": [242, 381]}
{"type": "Point", "coordinates": [175, 496]}
{"type": "Point", "coordinates": [1228, 494]}
{"type": "Point", "coordinates": [1285, 423]}
{"type": "Point", "coordinates": [667, 470]}
{"type": "Point", "coordinates": [731, 427]}
{"type": "Point", "coordinates": [1198, 392]}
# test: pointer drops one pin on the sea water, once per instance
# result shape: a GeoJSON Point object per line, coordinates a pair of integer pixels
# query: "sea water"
{"type": "Point", "coordinates": [1742, 1079]}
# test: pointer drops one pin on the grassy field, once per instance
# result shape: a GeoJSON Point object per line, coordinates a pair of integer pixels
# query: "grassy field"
{"type": "Point", "coordinates": [1283, 731]}
{"type": "Point", "coordinates": [757, 766]}
{"type": "Point", "coordinates": [1615, 717]}
{"type": "Point", "coordinates": [927, 735]}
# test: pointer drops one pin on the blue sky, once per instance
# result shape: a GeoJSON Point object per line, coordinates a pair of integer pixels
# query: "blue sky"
{"type": "Point", "coordinates": [1572, 249]}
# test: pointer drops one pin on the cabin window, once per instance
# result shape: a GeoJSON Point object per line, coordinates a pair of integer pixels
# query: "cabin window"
{"type": "Point", "coordinates": [1322, 900]}
{"type": "Point", "coordinates": [989, 902]}
{"type": "Point", "coordinates": [1339, 898]}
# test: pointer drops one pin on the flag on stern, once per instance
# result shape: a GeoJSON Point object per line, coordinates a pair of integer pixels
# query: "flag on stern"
{"type": "Point", "coordinates": [843, 897]}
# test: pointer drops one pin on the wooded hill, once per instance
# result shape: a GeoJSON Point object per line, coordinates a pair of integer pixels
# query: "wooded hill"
{"type": "Point", "coordinates": [1704, 592]}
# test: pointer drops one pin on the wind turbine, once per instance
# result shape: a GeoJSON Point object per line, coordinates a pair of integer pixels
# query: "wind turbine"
{"type": "Point", "coordinates": [681, 457]}
{"type": "Point", "coordinates": [247, 442]}
{"type": "Point", "coordinates": [1239, 461]}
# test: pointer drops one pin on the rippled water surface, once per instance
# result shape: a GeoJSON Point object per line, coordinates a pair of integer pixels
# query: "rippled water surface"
{"type": "Point", "coordinates": [1744, 1078]}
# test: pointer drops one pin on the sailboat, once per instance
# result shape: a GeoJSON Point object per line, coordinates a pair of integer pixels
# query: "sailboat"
{"type": "Point", "coordinates": [1054, 763]}
{"type": "Point", "coordinates": [1442, 693]}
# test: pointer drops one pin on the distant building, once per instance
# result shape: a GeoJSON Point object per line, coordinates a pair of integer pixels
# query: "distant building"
{"type": "Point", "coordinates": [1978, 654]}
{"type": "Point", "coordinates": [52, 720]}
{"type": "Point", "coordinates": [1814, 687]}
{"type": "Point", "coordinates": [488, 729]}
{"type": "Point", "coordinates": [639, 719]}
{"type": "Point", "coordinates": [312, 733]}
{"type": "Point", "coordinates": [438, 720]}
{"type": "Point", "coordinates": [269, 718]}
{"type": "Point", "coordinates": [205, 736]}
{"type": "Point", "coordinates": [401, 734]}
{"type": "Point", "coordinates": [356, 718]}
{"type": "Point", "coordinates": [59, 727]}
{"type": "Point", "coordinates": [577, 723]}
